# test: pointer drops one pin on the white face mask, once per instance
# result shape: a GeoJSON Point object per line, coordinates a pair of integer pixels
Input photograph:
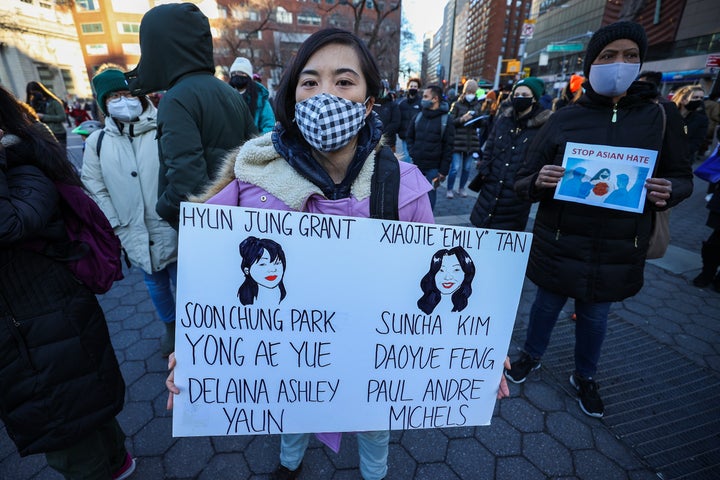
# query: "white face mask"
{"type": "Point", "coordinates": [469, 98]}
{"type": "Point", "coordinates": [613, 79]}
{"type": "Point", "coordinates": [125, 109]}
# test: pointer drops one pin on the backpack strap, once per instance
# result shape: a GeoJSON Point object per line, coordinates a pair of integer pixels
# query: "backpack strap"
{"type": "Point", "coordinates": [98, 145]}
{"type": "Point", "coordinates": [443, 123]}
{"type": "Point", "coordinates": [385, 186]}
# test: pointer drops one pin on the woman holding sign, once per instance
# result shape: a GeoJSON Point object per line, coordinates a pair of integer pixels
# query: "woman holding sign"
{"type": "Point", "coordinates": [595, 253]}
{"type": "Point", "coordinates": [321, 157]}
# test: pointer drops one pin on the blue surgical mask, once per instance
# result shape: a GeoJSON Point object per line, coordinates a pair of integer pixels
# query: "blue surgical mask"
{"type": "Point", "coordinates": [613, 79]}
{"type": "Point", "coordinates": [426, 103]}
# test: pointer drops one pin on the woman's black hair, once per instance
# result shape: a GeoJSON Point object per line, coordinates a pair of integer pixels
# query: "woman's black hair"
{"type": "Point", "coordinates": [42, 150]}
{"type": "Point", "coordinates": [432, 296]}
{"type": "Point", "coordinates": [251, 250]}
{"type": "Point", "coordinates": [39, 87]}
{"type": "Point", "coordinates": [285, 96]}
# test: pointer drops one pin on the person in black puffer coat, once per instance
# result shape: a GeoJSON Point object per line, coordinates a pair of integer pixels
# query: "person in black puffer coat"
{"type": "Point", "coordinates": [389, 114]}
{"type": "Point", "coordinates": [409, 107]}
{"type": "Point", "coordinates": [467, 138]}
{"type": "Point", "coordinates": [60, 383]}
{"type": "Point", "coordinates": [429, 143]}
{"type": "Point", "coordinates": [593, 254]}
{"type": "Point", "coordinates": [516, 124]}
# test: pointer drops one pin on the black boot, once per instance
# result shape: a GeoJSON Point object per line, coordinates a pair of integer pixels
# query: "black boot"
{"type": "Point", "coordinates": [711, 261]}
{"type": "Point", "coordinates": [716, 283]}
{"type": "Point", "coordinates": [167, 342]}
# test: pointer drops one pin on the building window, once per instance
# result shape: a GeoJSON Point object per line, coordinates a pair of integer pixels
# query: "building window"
{"type": "Point", "coordinates": [128, 27]}
{"type": "Point", "coordinates": [131, 48]}
{"type": "Point", "coordinates": [46, 76]}
{"type": "Point", "coordinates": [91, 27]}
{"type": "Point", "coordinates": [283, 16]}
{"type": "Point", "coordinates": [88, 5]}
{"type": "Point", "coordinates": [68, 81]}
{"type": "Point", "coordinates": [249, 15]}
{"type": "Point", "coordinates": [130, 6]}
{"type": "Point", "coordinates": [97, 49]}
{"type": "Point", "coordinates": [309, 19]}
{"type": "Point", "coordinates": [254, 35]}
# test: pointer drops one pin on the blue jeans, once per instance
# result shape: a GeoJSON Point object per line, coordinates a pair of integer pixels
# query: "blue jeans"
{"type": "Point", "coordinates": [372, 447]}
{"type": "Point", "coordinates": [404, 152]}
{"type": "Point", "coordinates": [430, 175]}
{"type": "Point", "coordinates": [460, 159]}
{"type": "Point", "coordinates": [161, 294]}
{"type": "Point", "coordinates": [590, 329]}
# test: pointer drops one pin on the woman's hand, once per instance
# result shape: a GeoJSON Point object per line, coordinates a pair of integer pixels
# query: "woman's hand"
{"type": "Point", "coordinates": [658, 191]}
{"type": "Point", "coordinates": [504, 391]}
{"type": "Point", "coordinates": [549, 176]}
{"type": "Point", "coordinates": [170, 382]}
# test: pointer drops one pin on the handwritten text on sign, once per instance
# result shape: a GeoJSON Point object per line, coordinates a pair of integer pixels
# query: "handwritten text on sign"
{"type": "Point", "coordinates": [292, 322]}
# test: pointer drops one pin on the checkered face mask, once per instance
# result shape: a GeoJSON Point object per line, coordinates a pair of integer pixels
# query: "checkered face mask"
{"type": "Point", "coordinates": [327, 122]}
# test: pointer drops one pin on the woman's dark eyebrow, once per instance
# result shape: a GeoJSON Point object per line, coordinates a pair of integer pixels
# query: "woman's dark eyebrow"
{"type": "Point", "coordinates": [339, 71]}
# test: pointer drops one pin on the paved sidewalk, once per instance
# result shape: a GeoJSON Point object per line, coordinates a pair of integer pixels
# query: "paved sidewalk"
{"type": "Point", "coordinates": [659, 374]}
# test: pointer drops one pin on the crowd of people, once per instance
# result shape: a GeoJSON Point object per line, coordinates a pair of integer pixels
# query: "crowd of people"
{"type": "Point", "coordinates": [313, 147]}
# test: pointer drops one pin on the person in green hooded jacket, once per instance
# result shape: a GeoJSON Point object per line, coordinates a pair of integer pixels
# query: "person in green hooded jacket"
{"type": "Point", "coordinates": [200, 117]}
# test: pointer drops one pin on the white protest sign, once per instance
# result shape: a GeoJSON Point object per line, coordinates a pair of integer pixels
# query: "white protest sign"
{"type": "Point", "coordinates": [605, 176]}
{"type": "Point", "coordinates": [291, 322]}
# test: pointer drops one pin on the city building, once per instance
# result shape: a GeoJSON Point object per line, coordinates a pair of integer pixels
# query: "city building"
{"type": "Point", "coordinates": [493, 38]}
{"type": "Point", "coordinates": [38, 42]}
{"type": "Point", "coordinates": [681, 35]}
{"type": "Point", "coordinates": [268, 32]}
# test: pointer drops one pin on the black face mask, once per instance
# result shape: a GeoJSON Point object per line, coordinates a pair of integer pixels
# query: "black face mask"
{"type": "Point", "coordinates": [412, 92]}
{"type": "Point", "coordinates": [239, 81]}
{"type": "Point", "coordinates": [520, 104]}
{"type": "Point", "coordinates": [693, 105]}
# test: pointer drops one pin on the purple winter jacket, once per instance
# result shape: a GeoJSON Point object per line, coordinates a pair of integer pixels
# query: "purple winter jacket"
{"type": "Point", "coordinates": [263, 179]}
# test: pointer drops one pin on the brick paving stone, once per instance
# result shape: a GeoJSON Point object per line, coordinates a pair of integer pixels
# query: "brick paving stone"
{"type": "Point", "coordinates": [470, 460]}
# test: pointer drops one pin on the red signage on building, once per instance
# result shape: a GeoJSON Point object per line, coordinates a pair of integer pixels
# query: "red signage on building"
{"type": "Point", "coordinates": [713, 60]}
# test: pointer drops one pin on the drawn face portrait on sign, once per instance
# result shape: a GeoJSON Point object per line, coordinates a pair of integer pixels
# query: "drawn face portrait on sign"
{"type": "Point", "coordinates": [263, 264]}
{"type": "Point", "coordinates": [451, 274]}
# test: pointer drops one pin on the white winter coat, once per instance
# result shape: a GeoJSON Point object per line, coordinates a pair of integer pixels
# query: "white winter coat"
{"type": "Point", "coordinates": [124, 183]}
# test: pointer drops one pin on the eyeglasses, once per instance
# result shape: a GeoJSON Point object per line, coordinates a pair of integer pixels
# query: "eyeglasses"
{"type": "Point", "coordinates": [119, 94]}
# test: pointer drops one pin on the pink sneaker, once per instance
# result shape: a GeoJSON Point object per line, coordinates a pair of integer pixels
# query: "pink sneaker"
{"type": "Point", "coordinates": [126, 470]}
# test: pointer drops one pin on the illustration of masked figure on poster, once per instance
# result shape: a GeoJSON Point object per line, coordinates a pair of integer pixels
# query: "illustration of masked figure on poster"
{"type": "Point", "coordinates": [602, 185]}
{"type": "Point", "coordinates": [263, 264]}
{"type": "Point", "coordinates": [448, 283]}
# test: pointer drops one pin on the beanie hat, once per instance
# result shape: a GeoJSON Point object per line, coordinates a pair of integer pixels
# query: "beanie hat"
{"type": "Point", "coordinates": [536, 86]}
{"type": "Point", "coordinates": [470, 87]}
{"type": "Point", "coordinates": [608, 34]}
{"type": "Point", "coordinates": [242, 64]}
{"type": "Point", "coordinates": [576, 82]}
{"type": "Point", "coordinates": [107, 82]}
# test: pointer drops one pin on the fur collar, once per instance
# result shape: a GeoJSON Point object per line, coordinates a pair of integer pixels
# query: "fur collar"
{"type": "Point", "coordinates": [258, 163]}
